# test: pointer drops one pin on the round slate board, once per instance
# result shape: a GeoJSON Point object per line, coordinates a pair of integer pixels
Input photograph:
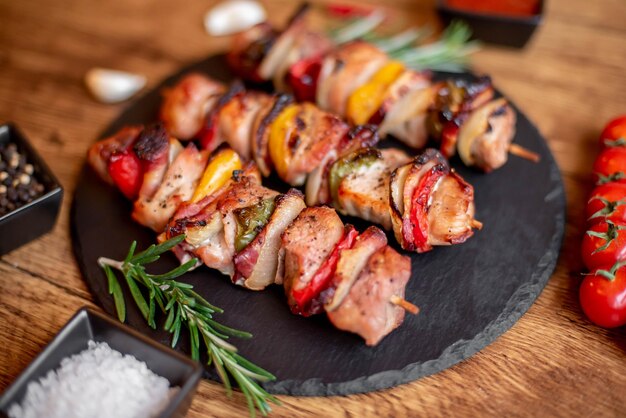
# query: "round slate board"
{"type": "Point", "coordinates": [469, 294]}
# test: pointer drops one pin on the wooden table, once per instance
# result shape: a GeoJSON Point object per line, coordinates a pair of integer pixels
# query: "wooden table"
{"type": "Point", "coordinates": [569, 80]}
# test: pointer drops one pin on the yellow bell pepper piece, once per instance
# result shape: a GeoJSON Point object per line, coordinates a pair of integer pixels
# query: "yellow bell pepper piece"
{"type": "Point", "coordinates": [217, 173]}
{"type": "Point", "coordinates": [368, 98]}
{"type": "Point", "coordinates": [280, 132]}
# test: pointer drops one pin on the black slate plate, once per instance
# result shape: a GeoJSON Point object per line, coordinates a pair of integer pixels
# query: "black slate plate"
{"type": "Point", "coordinates": [469, 294]}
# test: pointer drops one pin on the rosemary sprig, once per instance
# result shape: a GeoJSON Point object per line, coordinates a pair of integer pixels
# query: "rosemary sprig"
{"type": "Point", "coordinates": [358, 28]}
{"type": "Point", "coordinates": [187, 309]}
{"type": "Point", "coordinates": [449, 53]}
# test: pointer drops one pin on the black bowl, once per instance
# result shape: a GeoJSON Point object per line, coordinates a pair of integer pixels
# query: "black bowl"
{"type": "Point", "coordinates": [87, 325]}
{"type": "Point", "coordinates": [28, 222]}
{"type": "Point", "coordinates": [506, 30]}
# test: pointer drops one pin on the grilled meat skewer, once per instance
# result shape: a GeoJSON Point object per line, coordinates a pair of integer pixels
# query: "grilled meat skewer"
{"type": "Point", "coordinates": [358, 81]}
{"type": "Point", "coordinates": [235, 225]}
{"type": "Point", "coordinates": [306, 145]}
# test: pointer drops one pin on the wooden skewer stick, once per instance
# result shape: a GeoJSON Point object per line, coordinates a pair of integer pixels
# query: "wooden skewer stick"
{"type": "Point", "coordinates": [476, 224]}
{"type": "Point", "coordinates": [404, 304]}
{"type": "Point", "coordinates": [524, 153]}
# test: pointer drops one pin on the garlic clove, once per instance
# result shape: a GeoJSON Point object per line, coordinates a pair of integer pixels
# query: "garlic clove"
{"type": "Point", "coordinates": [112, 86]}
{"type": "Point", "coordinates": [233, 16]}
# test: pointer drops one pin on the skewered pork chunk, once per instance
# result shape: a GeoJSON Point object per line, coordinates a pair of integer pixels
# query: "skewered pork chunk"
{"type": "Point", "coordinates": [307, 243]}
{"type": "Point", "coordinates": [100, 153]}
{"type": "Point", "coordinates": [485, 137]}
{"type": "Point", "coordinates": [364, 192]}
{"type": "Point", "coordinates": [185, 106]}
{"type": "Point", "coordinates": [177, 186]}
{"type": "Point", "coordinates": [345, 69]}
{"type": "Point", "coordinates": [367, 309]}
{"type": "Point", "coordinates": [430, 205]}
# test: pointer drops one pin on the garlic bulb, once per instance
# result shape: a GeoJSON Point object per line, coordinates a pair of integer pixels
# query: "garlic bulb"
{"type": "Point", "coordinates": [112, 86]}
{"type": "Point", "coordinates": [233, 16]}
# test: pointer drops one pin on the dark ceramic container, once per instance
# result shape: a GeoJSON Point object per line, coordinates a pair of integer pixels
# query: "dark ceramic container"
{"type": "Point", "coordinates": [87, 325]}
{"type": "Point", "coordinates": [513, 31]}
{"type": "Point", "coordinates": [36, 218]}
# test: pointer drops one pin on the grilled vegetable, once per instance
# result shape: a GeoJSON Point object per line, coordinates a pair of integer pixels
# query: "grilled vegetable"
{"type": "Point", "coordinates": [250, 221]}
{"type": "Point", "coordinates": [126, 172]}
{"type": "Point", "coordinates": [217, 172]}
{"type": "Point", "coordinates": [368, 98]}
{"type": "Point", "coordinates": [364, 157]}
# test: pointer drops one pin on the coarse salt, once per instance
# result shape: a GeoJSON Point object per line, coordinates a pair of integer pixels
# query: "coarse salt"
{"type": "Point", "coordinates": [99, 382]}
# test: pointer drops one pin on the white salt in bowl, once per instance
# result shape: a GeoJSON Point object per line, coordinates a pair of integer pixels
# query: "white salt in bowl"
{"type": "Point", "coordinates": [87, 325]}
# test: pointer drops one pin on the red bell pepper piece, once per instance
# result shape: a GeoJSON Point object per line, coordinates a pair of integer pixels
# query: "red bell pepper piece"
{"type": "Point", "coordinates": [208, 132]}
{"type": "Point", "coordinates": [449, 136]}
{"type": "Point", "coordinates": [303, 76]}
{"type": "Point", "coordinates": [346, 10]}
{"type": "Point", "coordinates": [127, 173]}
{"type": "Point", "coordinates": [308, 299]}
{"type": "Point", "coordinates": [419, 208]}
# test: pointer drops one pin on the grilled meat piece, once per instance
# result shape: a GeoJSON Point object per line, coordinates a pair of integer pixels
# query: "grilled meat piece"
{"type": "Point", "coordinates": [250, 47]}
{"type": "Point", "coordinates": [407, 82]}
{"type": "Point", "coordinates": [406, 117]}
{"type": "Point", "coordinates": [343, 71]}
{"type": "Point", "coordinates": [364, 193]}
{"type": "Point", "coordinates": [351, 262]}
{"type": "Point", "coordinates": [367, 309]}
{"type": "Point", "coordinates": [236, 121]}
{"type": "Point", "coordinates": [430, 204]}
{"type": "Point", "coordinates": [307, 242]}
{"type": "Point", "coordinates": [100, 153]}
{"type": "Point", "coordinates": [315, 133]}
{"type": "Point", "coordinates": [177, 186]}
{"type": "Point", "coordinates": [451, 213]}
{"type": "Point", "coordinates": [485, 137]}
{"type": "Point", "coordinates": [187, 102]}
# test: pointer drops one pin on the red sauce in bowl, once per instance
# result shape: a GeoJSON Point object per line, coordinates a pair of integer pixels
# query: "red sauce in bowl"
{"type": "Point", "coordinates": [499, 7]}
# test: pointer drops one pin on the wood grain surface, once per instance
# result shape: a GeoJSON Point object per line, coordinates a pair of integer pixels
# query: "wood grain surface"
{"type": "Point", "coordinates": [570, 80]}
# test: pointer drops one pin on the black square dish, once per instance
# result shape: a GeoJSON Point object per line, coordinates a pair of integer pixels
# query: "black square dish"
{"type": "Point", "coordinates": [37, 217]}
{"type": "Point", "coordinates": [87, 325]}
{"type": "Point", "coordinates": [502, 29]}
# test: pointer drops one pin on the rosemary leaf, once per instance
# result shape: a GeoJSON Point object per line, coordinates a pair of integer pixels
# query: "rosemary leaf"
{"type": "Point", "coordinates": [116, 290]}
{"type": "Point", "coordinates": [230, 331]}
{"type": "Point", "coordinates": [151, 313]}
{"type": "Point", "coordinates": [131, 251]}
{"type": "Point", "coordinates": [177, 272]}
{"type": "Point", "coordinates": [251, 366]}
{"type": "Point", "coordinates": [194, 340]}
{"type": "Point", "coordinates": [138, 297]}
{"type": "Point", "coordinates": [169, 321]}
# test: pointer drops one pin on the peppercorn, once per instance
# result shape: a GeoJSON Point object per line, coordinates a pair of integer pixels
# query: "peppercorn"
{"type": "Point", "coordinates": [18, 184]}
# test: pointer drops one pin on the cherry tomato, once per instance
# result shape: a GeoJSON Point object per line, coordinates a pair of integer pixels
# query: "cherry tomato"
{"type": "Point", "coordinates": [126, 172]}
{"type": "Point", "coordinates": [603, 297]}
{"type": "Point", "coordinates": [607, 202]}
{"type": "Point", "coordinates": [610, 165]}
{"type": "Point", "coordinates": [614, 133]}
{"type": "Point", "coordinates": [604, 244]}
